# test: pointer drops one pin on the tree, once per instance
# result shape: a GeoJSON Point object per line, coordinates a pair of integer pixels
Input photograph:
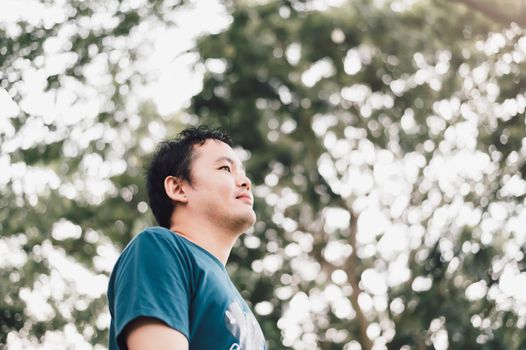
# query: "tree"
{"type": "Point", "coordinates": [72, 144]}
{"type": "Point", "coordinates": [406, 122]}
{"type": "Point", "coordinates": [506, 12]}
{"type": "Point", "coordinates": [385, 142]}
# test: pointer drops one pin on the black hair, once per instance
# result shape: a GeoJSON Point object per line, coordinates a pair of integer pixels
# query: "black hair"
{"type": "Point", "coordinates": [174, 158]}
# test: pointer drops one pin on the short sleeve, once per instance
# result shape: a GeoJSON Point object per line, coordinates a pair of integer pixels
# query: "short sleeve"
{"type": "Point", "coordinates": [152, 280]}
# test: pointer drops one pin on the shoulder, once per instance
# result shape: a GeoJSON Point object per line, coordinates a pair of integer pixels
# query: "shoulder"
{"type": "Point", "coordinates": [155, 252]}
{"type": "Point", "coordinates": [157, 244]}
{"type": "Point", "coordinates": [158, 237]}
{"type": "Point", "coordinates": [153, 233]}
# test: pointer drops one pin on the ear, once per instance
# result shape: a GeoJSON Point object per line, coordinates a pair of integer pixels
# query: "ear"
{"type": "Point", "coordinates": [175, 189]}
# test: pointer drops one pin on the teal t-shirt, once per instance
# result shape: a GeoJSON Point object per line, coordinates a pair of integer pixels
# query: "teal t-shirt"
{"type": "Point", "coordinates": [163, 275]}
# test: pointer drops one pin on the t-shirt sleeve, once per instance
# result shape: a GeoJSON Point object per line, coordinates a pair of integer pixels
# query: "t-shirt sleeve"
{"type": "Point", "coordinates": [152, 280]}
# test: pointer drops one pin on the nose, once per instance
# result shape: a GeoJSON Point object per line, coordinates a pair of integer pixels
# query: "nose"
{"type": "Point", "coordinates": [244, 181]}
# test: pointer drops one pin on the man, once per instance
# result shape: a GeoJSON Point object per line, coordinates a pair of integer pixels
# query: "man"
{"type": "Point", "coordinates": [169, 288]}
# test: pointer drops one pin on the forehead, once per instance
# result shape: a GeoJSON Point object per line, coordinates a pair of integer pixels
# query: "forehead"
{"type": "Point", "coordinates": [214, 150]}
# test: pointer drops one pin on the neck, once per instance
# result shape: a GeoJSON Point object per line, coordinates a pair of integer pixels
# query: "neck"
{"type": "Point", "coordinates": [213, 238]}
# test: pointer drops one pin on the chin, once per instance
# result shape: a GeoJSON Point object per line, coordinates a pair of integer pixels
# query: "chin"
{"type": "Point", "coordinates": [243, 223]}
{"type": "Point", "coordinates": [252, 219]}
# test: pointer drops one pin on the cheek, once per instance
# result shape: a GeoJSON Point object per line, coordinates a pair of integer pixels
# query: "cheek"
{"type": "Point", "coordinates": [221, 187]}
{"type": "Point", "coordinates": [226, 184]}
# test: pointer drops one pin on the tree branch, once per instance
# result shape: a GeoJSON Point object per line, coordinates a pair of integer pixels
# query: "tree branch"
{"type": "Point", "coordinates": [491, 11]}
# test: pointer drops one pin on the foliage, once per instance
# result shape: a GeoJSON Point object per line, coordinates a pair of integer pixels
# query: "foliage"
{"type": "Point", "coordinates": [372, 111]}
{"type": "Point", "coordinates": [386, 143]}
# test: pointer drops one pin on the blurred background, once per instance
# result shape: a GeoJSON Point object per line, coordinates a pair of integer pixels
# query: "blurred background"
{"type": "Point", "coordinates": [385, 139]}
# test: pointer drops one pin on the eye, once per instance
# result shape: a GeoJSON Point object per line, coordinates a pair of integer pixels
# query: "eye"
{"type": "Point", "coordinates": [226, 167]}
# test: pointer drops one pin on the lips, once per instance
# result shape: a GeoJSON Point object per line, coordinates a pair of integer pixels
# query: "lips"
{"type": "Point", "coordinates": [245, 197]}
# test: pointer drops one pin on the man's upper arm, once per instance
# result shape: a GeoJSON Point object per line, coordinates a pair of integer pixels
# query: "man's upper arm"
{"type": "Point", "coordinates": [151, 281]}
{"type": "Point", "coordinates": [146, 333]}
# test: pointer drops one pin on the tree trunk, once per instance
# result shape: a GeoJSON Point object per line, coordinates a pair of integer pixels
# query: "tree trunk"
{"type": "Point", "coordinates": [352, 270]}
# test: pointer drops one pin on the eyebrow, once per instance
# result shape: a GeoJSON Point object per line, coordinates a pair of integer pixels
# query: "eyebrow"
{"type": "Point", "coordinates": [229, 160]}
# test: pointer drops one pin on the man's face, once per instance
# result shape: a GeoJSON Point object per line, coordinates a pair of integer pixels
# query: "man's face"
{"type": "Point", "coordinates": [220, 189]}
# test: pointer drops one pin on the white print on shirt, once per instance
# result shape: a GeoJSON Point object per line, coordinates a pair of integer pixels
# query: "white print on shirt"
{"type": "Point", "coordinates": [244, 327]}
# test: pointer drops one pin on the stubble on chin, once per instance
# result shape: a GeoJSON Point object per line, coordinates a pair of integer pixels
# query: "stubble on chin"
{"type": "Point", "coordinates": [242, 223]}
{"type": "Point", "coordinates": [236, 223]}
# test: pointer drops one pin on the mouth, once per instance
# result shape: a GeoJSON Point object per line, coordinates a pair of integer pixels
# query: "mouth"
{"type": "Point", "coordinates": [245, 198]}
